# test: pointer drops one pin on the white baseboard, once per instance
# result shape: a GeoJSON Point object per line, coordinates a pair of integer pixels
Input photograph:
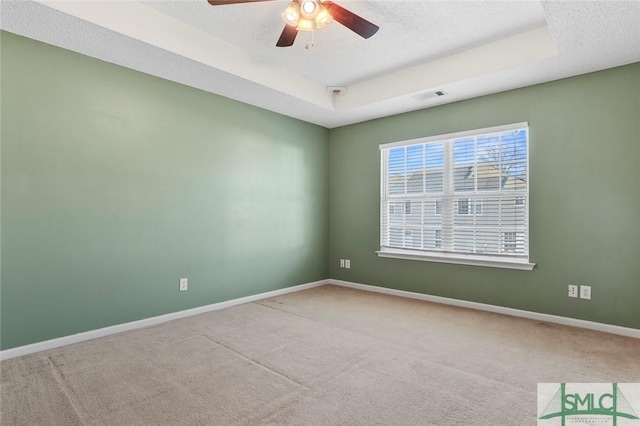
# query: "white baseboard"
{"type": "Point", "coordinates": [147, 322]}
{"type": "Point", "coordinates": [606, 328]}
{"type": "Point", "coordinates": [106, 331]}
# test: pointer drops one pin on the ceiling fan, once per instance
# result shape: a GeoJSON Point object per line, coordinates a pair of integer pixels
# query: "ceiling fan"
{"type": "Point", "coordinates": [304, 15]}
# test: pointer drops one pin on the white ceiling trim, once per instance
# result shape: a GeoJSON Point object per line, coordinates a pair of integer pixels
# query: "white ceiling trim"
{"type": "Point", "coordinates": [135, 20]}
{"type": "Point", "coordinates": [465, 48]}
{"type": "Point", "coordinates": [528, 47]}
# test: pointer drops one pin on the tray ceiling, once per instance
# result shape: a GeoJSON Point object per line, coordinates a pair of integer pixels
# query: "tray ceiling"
{"type": "Point", "coordinates": [464, 48]}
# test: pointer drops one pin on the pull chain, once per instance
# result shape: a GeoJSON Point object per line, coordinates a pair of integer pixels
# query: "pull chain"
{"type": "Point", "coordinates": [307, 46]}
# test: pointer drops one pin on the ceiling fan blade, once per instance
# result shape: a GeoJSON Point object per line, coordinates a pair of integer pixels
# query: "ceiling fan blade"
{"type": "Point", "coordinates": [355, 23]}
{"type": "Point", "coordinates": [287, 37]}
{"type": "Point", "coordinates": [223, 2]}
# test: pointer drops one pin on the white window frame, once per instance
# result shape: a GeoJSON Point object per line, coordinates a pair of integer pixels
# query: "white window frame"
{"type": "Point", "coordinates": [492, 260]}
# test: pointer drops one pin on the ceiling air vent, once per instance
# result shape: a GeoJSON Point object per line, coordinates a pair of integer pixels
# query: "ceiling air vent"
{"type": "Point", "coordinates": [420, 97]}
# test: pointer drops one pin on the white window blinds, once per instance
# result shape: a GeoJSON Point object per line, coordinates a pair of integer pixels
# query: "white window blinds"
{"type": "Point", "coordinates": [464, 193]}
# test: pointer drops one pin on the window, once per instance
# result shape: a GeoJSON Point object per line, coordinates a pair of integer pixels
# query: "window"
{"type": "Point", "coordinates": [437, 238]}
{"type": "Point", "coordinates": [477, 207]}
{"type": "Point", "coordinates": [465, 206]}
{"type": "Point", "coordinates": [408, 238]}
{"type": "Point", "coordinates": [509, 242]}
{"type": "Point", "coordinates": [466, 195]}
{"type": "Point", "coordinates": [407, 208]}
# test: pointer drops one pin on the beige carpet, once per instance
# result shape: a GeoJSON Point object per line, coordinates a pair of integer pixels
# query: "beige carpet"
{"type": "Point", "coordinates": [326, 356]}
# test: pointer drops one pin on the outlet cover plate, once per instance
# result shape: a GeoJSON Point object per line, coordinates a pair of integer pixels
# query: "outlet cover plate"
{"type": "Point", "coordinates": [184, 284]}
{"type": "Point", "coordinates": [585, 292]}
{"type": "Point", "coordinates": [573, 290]}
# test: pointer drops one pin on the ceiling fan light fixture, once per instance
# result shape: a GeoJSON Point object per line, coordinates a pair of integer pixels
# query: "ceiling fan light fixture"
{"type": "Point", "coordinates": [291, 14]}
{"type": "Point", "coordinates": [309, 9]}
{"type": "Point", "coordinates": [305, 24]}
{"type": "Point", "coordinates": [307, 15]}
{"type": "Point", "coordinates": [323, 18]}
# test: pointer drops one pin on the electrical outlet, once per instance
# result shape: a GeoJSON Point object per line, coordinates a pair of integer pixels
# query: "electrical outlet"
{"type": "Point", "coordinates": [184, 284]}
{"type": "Point", "coordinates": [342, 263]}
{"type": "Point", "coordinates": [573, 290]}
{"type": "Point", "coordinates": [347, 263]}
{"type": "Point", "coordinates": [585, 292]}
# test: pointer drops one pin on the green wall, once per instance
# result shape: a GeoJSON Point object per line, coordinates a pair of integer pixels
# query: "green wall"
{"type": "Point", "coordinates": [115, 184]}
{"type": "Point", "coordinates": [584, 199]}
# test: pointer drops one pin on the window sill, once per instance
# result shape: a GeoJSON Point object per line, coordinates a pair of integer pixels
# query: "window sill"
{"type": "Point", "coordinates": [459, 259]}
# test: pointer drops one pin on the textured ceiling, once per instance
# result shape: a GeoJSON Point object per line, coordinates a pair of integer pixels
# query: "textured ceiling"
{"type": "Point", "coordinates": [466, 48]}
{"type": "Point", "coordinates": [340, 57]}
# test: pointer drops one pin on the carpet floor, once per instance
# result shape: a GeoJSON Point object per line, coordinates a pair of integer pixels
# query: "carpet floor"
{"type": "Point", "coordinates": [325, 356]}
